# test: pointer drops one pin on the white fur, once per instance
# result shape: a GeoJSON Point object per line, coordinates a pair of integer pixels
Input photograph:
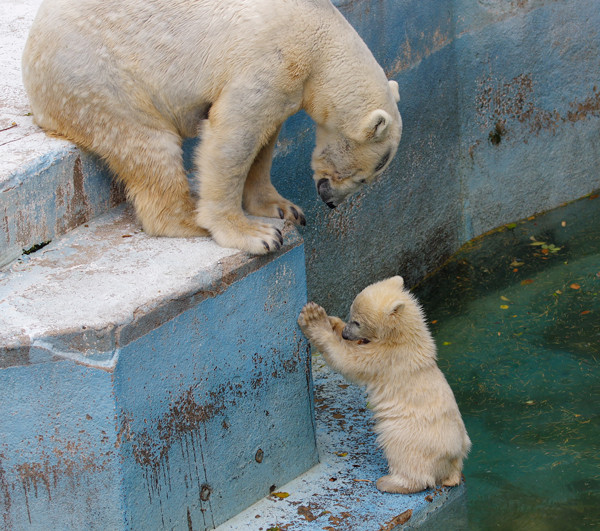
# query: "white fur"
{"type": "Point", "coordinates": [130, 79]}
{"type": "Point", "coordinates": [417, 420]}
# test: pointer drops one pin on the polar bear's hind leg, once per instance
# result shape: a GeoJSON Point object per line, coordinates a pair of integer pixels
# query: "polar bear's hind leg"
{"type": "Point", "coordinates": [149, 163]}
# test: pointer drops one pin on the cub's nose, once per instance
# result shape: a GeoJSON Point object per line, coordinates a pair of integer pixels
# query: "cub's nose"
{"type": "Point", "coordinates": [325, 192]}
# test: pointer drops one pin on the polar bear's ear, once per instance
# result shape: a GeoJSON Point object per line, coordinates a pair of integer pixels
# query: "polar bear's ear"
{"type": "Point", "coordinates": [394, 89]}
{"type": "Point", "coordinates": [399, 281]}
{"type": "Point", "coordinates": [375, 125]}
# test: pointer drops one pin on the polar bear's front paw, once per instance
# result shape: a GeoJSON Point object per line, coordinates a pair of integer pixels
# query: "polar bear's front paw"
{"type": "Point", "coordinates": [313, 316]}
{"type": "Point", "coordinates": [242, 233]}
{"type": "Point", "coordinates": [276, 208]}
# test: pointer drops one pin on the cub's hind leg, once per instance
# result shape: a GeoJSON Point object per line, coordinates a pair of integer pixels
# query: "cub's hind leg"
{"type": "Point", "coordinates": [399, 485]}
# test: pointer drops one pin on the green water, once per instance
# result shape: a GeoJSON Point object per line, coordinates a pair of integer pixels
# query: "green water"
{"type": "Point", "coordinates": [516, 317]}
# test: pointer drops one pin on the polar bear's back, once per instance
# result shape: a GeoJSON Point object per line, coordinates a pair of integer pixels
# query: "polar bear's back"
{"type": "Point", "coordinates": [173, 56]}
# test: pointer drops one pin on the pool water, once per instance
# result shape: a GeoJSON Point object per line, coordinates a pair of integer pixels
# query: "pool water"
{"type": "Point", "coordinates": [516, 318]}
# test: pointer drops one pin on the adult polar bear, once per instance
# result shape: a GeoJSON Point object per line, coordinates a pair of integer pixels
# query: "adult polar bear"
{"type": "Point", "coordinates": [129, 79]}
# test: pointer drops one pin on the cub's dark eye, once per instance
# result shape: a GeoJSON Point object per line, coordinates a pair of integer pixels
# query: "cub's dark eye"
{"type": "Point", "coordinates": [383, 161]}
{"type": "Point", "coordinates": [363, 181]}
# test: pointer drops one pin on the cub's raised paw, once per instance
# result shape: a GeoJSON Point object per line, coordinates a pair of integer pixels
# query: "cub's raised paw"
{"type": "Point", "coordinates": [337, 325]}
{"type": "Point", "coordinates": [312, 315]}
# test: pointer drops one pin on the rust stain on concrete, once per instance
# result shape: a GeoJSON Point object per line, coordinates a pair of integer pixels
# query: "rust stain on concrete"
{"type": "Point", "coordinates": [590, 107]}
{"type": "Point", "coordinates": [37, 478]}
{"type": "Point", "coordinates": [501, 106]}
{"type": "Point", "coordinates": [5, 495]}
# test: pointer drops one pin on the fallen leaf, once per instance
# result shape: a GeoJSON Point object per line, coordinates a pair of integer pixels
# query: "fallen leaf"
{"type": "Point", "coordinates": [397, 520]}
{"type": "Point", "coordinates": [504, 306]}
{"type": "Point", "coordinates": [341, 454]}
{"type": "Point", "coordinates": [446, 343]}
{"type": "Point", "coordinates": [526, 281]}
{"type": "Point", "coordinates": [511, 225]}
{"type": "Point", "coordinates": [504, 298]}
{"type": "Point", "coordinates": [434, 321]}
{"type": "Point", "coordinates": [530, 402]}
{"type": "Point", "coordinates": [307, 513]}
{"type": "Point", "coordinates": [281, 494]}
{"type": "Point", "coordinates": [585, 312]}
{"type": "Point", "coordinates": [563, 223]}
{"type": "Point", "coordinates": [575, 286]}
{"type": "Point", "coordinates": [516, 263]}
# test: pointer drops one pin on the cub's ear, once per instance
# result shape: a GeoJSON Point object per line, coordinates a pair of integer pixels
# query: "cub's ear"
{"type": "Point", "coordinates": [394, 89]}
{"type": "Point", "coordinates": [399, 281]}
{"type": "Point", "coordinates": [396, 308]}
{"type": "Point", "coordinates": [375, 126]}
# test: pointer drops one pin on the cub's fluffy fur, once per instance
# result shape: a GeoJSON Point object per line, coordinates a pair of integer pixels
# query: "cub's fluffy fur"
{"type": "Point", "coordinates": [387, 347]}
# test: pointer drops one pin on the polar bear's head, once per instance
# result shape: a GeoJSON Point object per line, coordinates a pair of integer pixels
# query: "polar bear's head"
{"type": "Point", "coordinates": [343, 161]}
{"type": "Point", "coordinates": [386, 313]}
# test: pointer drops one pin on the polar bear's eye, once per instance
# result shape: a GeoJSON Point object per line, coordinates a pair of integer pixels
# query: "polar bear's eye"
{"type": "Point", "coordinates": [383, 161]}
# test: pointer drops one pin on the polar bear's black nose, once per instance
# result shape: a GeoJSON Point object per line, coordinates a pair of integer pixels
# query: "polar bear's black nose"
{"type": "Point", "coordinates": [325, 193]}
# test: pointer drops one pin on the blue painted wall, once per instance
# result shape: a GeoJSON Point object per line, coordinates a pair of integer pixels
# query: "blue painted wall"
{"type": "Point", "coordinates": [462, 67]}
{"type": "Point", "coordinates": [207, 405]}
{"type": "Point", "coordinates": [51, 196]}
{"type": "Point", "coordinates": [199, 397]}
{"type": "Point", "coordinates": [58, 465]}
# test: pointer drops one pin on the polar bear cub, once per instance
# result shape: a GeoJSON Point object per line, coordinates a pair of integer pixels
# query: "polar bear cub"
{"type": "Point", "coordinates": [387, 347]}
{"type": "Point", "coordinates": [129, 80]}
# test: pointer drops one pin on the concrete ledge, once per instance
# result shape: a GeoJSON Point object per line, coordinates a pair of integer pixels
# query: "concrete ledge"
{"type": "Point", "coordinates": [149, 382]}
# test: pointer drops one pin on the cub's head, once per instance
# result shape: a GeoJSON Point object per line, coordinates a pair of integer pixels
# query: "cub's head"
{"type": "Point", "coordinates": [378, 310]}
{"type": "Point", "coordinates": [343, 162]}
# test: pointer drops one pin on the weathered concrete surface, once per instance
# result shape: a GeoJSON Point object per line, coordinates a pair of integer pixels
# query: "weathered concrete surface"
{"type": "Point", "coordinates": [529, 96]}
{"type": "Point", "coordinates": [149, 383]}
{"type": "Point", "coordinates": [339, 494]}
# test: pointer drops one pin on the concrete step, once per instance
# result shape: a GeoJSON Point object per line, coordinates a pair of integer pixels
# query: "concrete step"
{"type": "Point", "coordinates": [339, 493]}
{"type": "Point", "coordinates": [47, 185]}
{"type": "Point", "coordinates": [149, 383]}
